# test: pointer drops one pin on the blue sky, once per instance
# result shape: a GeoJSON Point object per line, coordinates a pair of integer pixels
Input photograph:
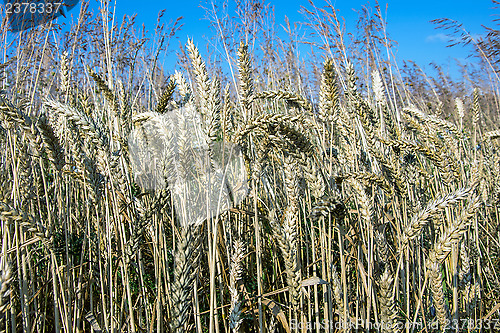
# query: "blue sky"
{"type": "Point", "coordinates": [407, 22]}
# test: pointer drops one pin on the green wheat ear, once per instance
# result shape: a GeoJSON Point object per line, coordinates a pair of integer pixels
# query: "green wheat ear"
{"type": "Point", "coordinates": [166, 97]}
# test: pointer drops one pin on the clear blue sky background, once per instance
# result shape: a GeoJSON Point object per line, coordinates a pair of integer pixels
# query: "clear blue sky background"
{"type": "Point", "coordinates": [407, 22]}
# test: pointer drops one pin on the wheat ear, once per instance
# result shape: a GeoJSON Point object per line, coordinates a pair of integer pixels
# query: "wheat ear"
{"type": "Point", "coordinates": [186, 257]}
{"type": "Point", "coordinates": [289, 229]}
{"type": "Point", "coordinates": [5, 278]}
{"type": "Point", "coordinates": [234, 277]}
{"type": "Point", "coordinates": [436, 284]}
{"type": "Point", "coordinates": [388, 311]}
{"type": "Point", "coordinates": [453, 232]}
{"type": "Point", "coordinates": [419, 220]}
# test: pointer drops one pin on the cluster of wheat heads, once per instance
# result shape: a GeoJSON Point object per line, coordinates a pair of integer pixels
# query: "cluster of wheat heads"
{"type": "Point", "coordinates": [363, 212]}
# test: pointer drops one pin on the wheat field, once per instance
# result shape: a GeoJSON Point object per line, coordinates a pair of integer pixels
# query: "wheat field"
{"type": "Point", "coordinates": [264, 192]}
